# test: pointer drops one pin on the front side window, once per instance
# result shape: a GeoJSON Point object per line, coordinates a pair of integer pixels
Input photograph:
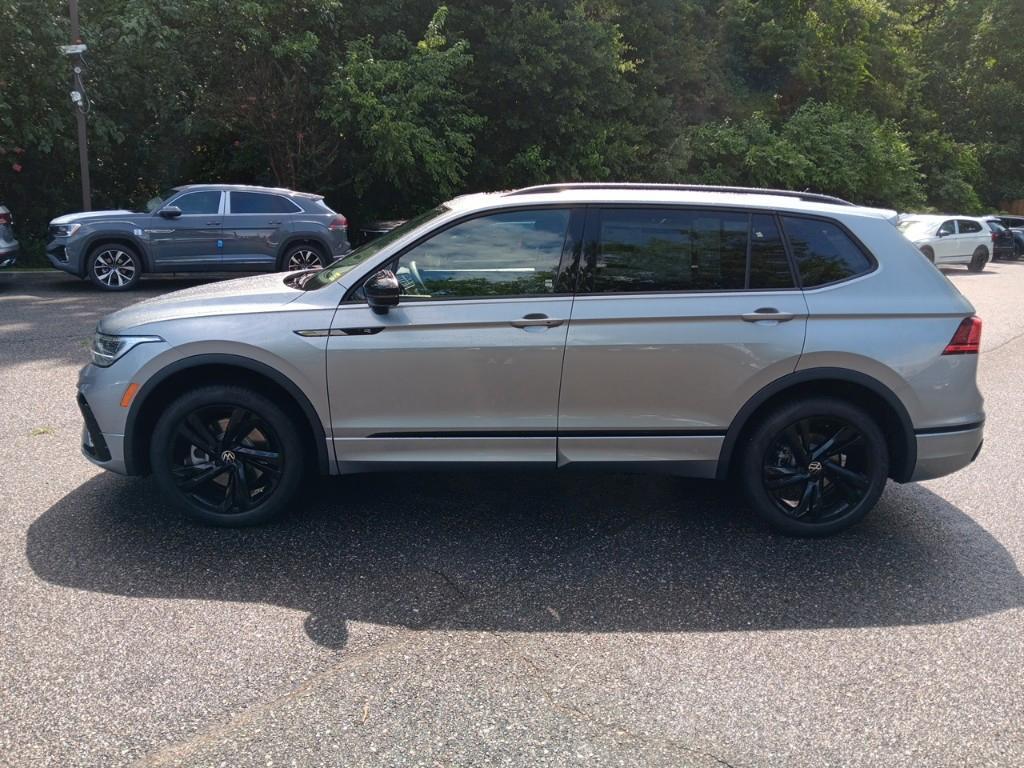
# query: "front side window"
{"type": "Point", "coordinates": [823, 252]}
{"type": "Point", "coordinates": [258, 202]}
{"type": "Point", "coordinates": [505, 254]}
{"type": "Point", "coordinates": [947, 228]}
{"type": "Point", "coordinates": [204, 203]}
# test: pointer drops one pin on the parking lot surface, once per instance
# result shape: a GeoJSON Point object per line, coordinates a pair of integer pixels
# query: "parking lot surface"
{"type": "Point", "coordinates": [497, 619]}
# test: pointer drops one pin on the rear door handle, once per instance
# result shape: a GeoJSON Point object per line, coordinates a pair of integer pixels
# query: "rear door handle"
{"type": "Point", "coordinates": [767, 313]}
{"type": "Point", "coordinates": [535, 319]}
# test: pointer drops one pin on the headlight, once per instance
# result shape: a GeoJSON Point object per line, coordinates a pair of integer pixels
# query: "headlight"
{"type": "Point", "coordinates": [106, 349]}
{"type": "Point", "coordinates": [64, 230]}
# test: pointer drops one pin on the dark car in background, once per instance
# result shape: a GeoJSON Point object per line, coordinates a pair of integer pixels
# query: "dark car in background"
{"type": "Point", "coordinates": [199, 228]}
{"type": "Point", "coordinates": [1016, 227]}
{"type": "Point", "coordinates": [8, 245]}
{"type": "Point", "coordinates": [1003, 246]}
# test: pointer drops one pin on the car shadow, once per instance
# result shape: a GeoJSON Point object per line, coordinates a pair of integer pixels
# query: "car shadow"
{"type": "Point", "coordinates": [533, 552]}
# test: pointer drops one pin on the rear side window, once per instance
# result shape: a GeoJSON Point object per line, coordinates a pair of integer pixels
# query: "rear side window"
{"type": "Point", "coordinates": [968, 227]}
{"type": "Point", "coordinates": [823, 252]}
{"type": "Point", "coordinates": [257, 202]}
{"type": "Point", "coordinates": [652, 250]}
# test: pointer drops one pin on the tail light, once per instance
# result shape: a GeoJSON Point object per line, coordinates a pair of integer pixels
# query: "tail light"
{"type": "Point", "coordinates": [967, 339]}
{"type": "Point", "coordinates": [338, 222]}
{"type": "Point", "coordinates": [994, 238]}
{"type": "Point", "coordinates": [5, 218]}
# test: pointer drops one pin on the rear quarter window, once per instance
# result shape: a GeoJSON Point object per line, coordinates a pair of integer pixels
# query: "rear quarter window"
{"type": "Point", "coordinates": [823, 252]}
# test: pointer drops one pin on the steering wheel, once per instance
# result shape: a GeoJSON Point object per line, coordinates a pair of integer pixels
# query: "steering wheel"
{"type": "Point", "coordinates": [421, 287]}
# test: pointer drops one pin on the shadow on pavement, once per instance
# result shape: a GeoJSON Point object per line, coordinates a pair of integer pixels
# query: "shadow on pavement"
{"type": "Point", "coordinates": [533, 552]}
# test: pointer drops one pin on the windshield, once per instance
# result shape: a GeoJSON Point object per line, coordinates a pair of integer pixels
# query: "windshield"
{"type": "Point", "coordinates": [354, 258]}
{"type": "Point", "coordinates": [156, 203]}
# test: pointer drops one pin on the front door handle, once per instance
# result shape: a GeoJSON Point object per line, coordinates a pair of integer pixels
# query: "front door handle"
{"type": "Point", "coordinates": [767, 313]}
{"type": "Point", "coordinates": [213, 223]}
{"type": "Point", "coordinates": [535, 319]}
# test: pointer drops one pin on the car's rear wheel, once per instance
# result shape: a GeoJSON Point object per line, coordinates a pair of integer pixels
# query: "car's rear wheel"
{"type": "Point", "coordinates": [929, 254]}
{"type": "Point", "coordinates": [303, 257]}
{"type": "Point", "coordinates": [228, 456]}
{"type": "Point", "coordinates": [978, 260]}
{"type": "Point", "coordinates": [815, 467]}
{"type": "Point", "coordinates": [114, 267]}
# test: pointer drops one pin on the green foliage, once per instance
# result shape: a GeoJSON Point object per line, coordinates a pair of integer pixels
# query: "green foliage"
{"type": "Point", "coordinates": [390, 106]}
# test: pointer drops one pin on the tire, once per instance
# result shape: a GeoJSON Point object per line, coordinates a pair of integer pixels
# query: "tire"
{"type": "Point", "coordinates": [799, 490]}
{"type": "Point", "coordinates": [113, 267]}
{"type": "Point", "coordinates": [929, 254]}
{"type": "Point", "coordinates": [224, 479]}
{"type": "Point", "coordinates": [303, 257]}
{"type": "Point", "coordinates": [978, 260]}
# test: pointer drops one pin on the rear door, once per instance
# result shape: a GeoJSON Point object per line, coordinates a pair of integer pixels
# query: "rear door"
{"type": "Point", "coordinates": [682, 314]}
{"type": "Point", "coordinates": [193, 240]}
{"type": "Point", "coordinates": [255, 221]}
{"type": "Point", "coordinates": [970, 236]}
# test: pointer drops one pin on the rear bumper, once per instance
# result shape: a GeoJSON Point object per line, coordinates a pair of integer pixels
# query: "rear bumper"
{"type": "Point", "coordinates": [942, 453]}
{"type": "Point", "coordinates": [8, 253]}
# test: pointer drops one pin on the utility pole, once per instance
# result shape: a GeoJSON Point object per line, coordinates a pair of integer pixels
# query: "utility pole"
{"type": "Point", "coordinates": [79, 101]}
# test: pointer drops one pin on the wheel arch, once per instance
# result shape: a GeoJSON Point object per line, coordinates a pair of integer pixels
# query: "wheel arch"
{"type": "Point", "coordinates": [859, 388]}
{"type": "Point", "coordinates": [114, 238]}
{"type": "Point", "coordinates": [198, 370]}
{"type": "Point", "coordinates": [302, 239]}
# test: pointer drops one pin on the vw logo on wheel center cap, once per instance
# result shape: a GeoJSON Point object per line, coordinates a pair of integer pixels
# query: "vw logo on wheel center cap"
{"type": "Point", "coordinates": [814, 467]}
{"type": "Point", "coordinates": [227, 457]}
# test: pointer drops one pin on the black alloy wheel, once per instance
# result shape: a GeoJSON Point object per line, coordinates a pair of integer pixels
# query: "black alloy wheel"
{"type": "Point", "coordinates": [816, 467]}
{"type": "Point", "coordinates": [229, 456]}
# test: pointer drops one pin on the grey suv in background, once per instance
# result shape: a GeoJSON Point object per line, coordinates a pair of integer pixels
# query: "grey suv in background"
{"type": "Point", "coordinates": [199, 228]}
{"type": "Point", "coordinates": [794, 342]}
{"type": "Point", "coordinates": [8, 245]}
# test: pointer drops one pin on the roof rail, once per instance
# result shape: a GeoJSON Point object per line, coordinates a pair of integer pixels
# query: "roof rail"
{"type": "Point", "coordinates": [811, 197]}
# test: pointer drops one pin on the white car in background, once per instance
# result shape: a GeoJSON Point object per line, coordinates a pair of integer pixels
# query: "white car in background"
{"type": "Point", "coordinates": [949, 239]}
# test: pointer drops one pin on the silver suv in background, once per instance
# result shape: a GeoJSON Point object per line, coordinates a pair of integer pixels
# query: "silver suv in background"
{"type": "Point", "coordinates": [199, 228]}
{"type": "Point", "coordinates": [8, 245]}
{"type": "Point", "coordinates": [794, 342]}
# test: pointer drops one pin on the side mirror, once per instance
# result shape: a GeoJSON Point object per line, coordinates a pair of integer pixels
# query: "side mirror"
{"type": "Point", "coordinates": [382, 291]}
{"type": "Point", "coordinates": [170, 212]}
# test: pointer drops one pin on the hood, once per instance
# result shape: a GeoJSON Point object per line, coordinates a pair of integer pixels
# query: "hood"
{"type": "Point", "coordinates": [262, 293]}
{"type": "Point", "coordinates": [71, 218]}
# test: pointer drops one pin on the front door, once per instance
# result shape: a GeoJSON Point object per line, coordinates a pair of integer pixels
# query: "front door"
{"type": "Point", "coordinates": [682, 315]}
{"type": "Point", "coordinates": [466, 368]}
{"type": "Point", "coordinates": [193, 240]}
{"type": "Point", "coordinates": [946, 242]}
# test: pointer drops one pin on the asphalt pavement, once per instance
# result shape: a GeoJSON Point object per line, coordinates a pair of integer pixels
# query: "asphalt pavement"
{"type": "Point", "coordinates": [497, 618]}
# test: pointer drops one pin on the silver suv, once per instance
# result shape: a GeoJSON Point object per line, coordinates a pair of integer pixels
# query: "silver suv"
{"type": "Point", "coordinates": [794, 342]}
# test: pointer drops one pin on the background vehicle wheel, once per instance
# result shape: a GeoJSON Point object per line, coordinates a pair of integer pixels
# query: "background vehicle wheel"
{"type": "Point", "coordinates": [929, 253]}
{"type": "Point", "coordinates": [303, 257]}
{"type": "Point", "coordinates": [815, 467]}
{"type": "Point", "coordinates": [114, 267]}
{"type": "Point", "coordinates": [228, 456]}
{"type": "Point", "coordinates": [978, 260]}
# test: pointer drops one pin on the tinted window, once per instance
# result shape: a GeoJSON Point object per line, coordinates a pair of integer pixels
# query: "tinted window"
{"type": "Point", "coordinates": [663, 250]}
{"type": "Point", "coordinates": [505, 254]}
{"type": "Point", "coordinates": [256, 202]}
{"type": "Point", "coordinates": [947, 228]}
{"type": "Point", "coordinates": [968, 227]}
{"type": "Point", "coordinates": [199, 203]}
{"type": "Point", "coordinates": [823, 252]}
{"type": "Point", "coordinates": [769, 267]}
{"type": "Point", "coordinates": [995, 226]}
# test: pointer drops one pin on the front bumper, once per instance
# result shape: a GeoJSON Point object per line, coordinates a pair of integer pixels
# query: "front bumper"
{"type": "Point", "coordinates": [943, 453]}
{"type": "Point", "coordinates": [64, 254]}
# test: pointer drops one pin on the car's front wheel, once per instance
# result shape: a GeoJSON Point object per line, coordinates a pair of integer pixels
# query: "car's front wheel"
{"type": "Point", "coordinates": [114, 267]}
{"type": "Point", "coordinates": [228, 456]}
{"type": "Point", "coordinates": [815, 467]}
